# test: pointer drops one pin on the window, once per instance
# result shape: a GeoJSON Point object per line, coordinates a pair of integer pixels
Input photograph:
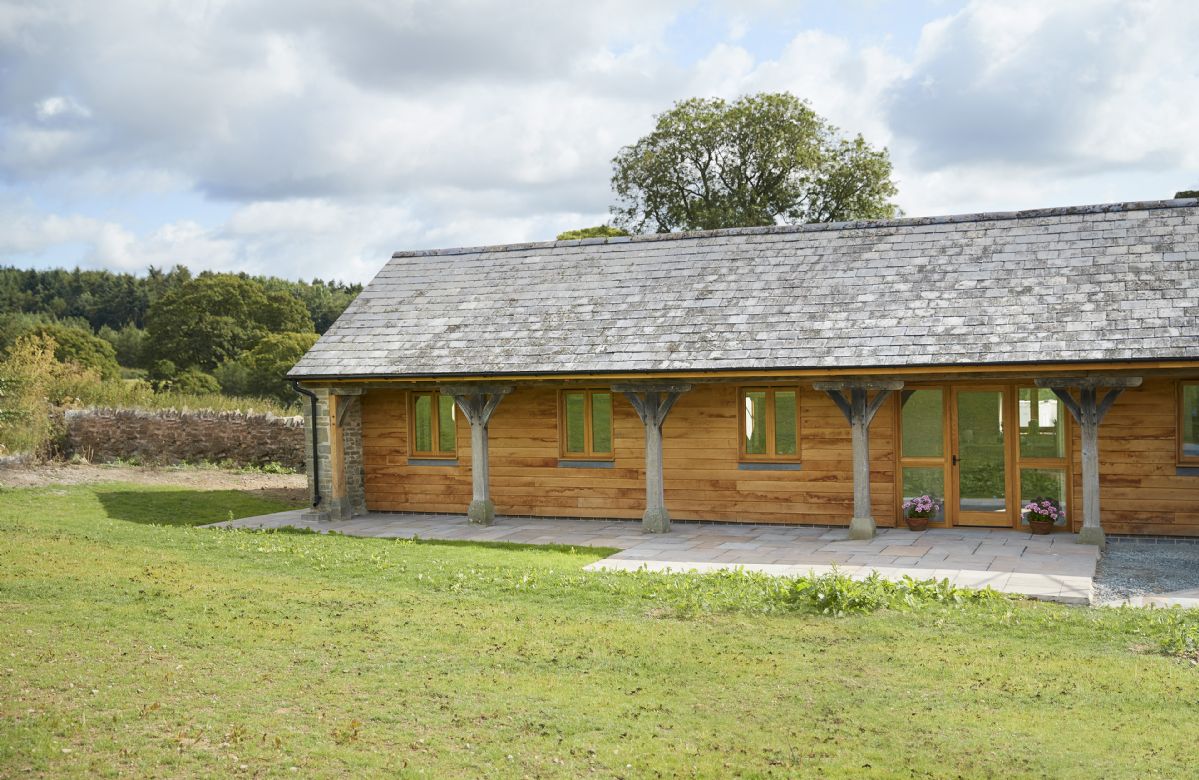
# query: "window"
{"type": "Point", "coordinates": [769, 423]}
{"type": "Point", "coordinates": [1188, 422]}
{"type": "Point", "coordinates": [1042, 449]}
{"type": "Point", "coordinates": [585, 424]}
{"type": "Point", "coordinates": [434, 425]}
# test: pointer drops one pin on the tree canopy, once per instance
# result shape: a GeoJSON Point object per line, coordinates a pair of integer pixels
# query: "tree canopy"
{"type": "Point", "coordinates": [214, 318]}
{"type": "Point", "coordinates": [760, 160]}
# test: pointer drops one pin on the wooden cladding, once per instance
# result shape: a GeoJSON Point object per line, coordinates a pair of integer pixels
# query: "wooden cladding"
{"type": "Point", "coordinates": [1140, 440]}
{"type": "Point", "coordinates": [701, 471]}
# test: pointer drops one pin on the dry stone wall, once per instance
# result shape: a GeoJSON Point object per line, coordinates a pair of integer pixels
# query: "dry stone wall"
{"type": "Point", "coordinates": [184, 437]}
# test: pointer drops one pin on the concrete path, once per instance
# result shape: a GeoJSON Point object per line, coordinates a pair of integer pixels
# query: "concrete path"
{"type": "Point", "coordinates": [1051, 568]}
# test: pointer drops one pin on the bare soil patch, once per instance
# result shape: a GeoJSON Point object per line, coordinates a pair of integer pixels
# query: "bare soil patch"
{"type": "Point", "coordinates": [285, 487]}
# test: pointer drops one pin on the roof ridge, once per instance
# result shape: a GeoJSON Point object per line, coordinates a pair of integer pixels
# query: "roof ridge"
{"type": "Point", "coordinates": [949, 219]}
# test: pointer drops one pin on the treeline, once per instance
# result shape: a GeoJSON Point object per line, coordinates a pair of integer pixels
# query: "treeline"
{"type": "Point", "coordinates": [177, 332]}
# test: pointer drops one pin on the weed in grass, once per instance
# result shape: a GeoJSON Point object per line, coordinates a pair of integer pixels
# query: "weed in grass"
{"type": "Point", "coordinates": [1180, 633]}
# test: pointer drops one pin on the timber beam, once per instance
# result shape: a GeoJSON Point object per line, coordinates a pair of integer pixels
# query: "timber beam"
{"type": "Point", "coordinates": [1088, 410]}
{"type": "Point", "coordinates": [478, 403]}
{"type": "Point", "coordinates": [855, 402]}
{"type": "Point", "coordinates": [652, 402]}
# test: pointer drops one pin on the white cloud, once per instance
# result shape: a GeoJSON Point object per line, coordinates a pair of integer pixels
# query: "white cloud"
{"type": "Point", "coordinates": [336, 134]}
{"type": "Point", "coordinates": [59, 106]}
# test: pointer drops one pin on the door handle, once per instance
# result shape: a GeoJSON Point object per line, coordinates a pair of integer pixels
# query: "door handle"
{"type": "Point", "coordinates": [954, 460]}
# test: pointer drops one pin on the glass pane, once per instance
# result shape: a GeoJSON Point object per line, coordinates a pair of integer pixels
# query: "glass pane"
{"type": "Point", "coordinates": [982, 470]}
{"type": "Point", "coordinates": [926, 482]}
{"type": "Point", "coordinates": [755, 422]}
{"type": "Point", "coordinates": [447, 431]}
{"type": "Point", "coordinates": [1190, 420]}
{"type": "Point", "coordinates": [785, 438]}
{"type": "Point", "coordinates": [923, 424]}
{"type": "Point", "coordinates": [601, 423]}
{"type": "Point", "coordinates": [1042, 424]}
{"type": "Point", "coordinates": [423, 423]}
{"type": "Point", "coordinates": [575, 413]}
{"type": "Point", "coordinates": [1037, 484]}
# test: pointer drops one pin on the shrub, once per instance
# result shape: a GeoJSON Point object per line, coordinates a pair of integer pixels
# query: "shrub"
{"type": "Point", "coordinates": [193, 381]}
{"type": "Point", "coordinates": [26, 376]}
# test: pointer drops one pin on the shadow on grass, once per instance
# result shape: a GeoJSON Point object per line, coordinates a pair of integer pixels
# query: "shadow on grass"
{"type": "Point", "coordinates": [575, 549]}
{"type": "Point", "coordinates": [184, 507]}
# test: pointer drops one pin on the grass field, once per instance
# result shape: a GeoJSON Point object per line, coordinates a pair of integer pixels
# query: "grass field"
{"type": "Point", "coordinates": [137, 649]}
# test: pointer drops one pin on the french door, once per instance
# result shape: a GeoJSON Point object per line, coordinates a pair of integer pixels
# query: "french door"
{"type": "Point", "coordinates": [983, 451]}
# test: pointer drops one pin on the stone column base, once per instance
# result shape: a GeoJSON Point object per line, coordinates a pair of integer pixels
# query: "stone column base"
{"type": "Point", "coordinates": [1092, 535]}
{"type": "Point", "coordinates": [655, 521]}
{"type": "Point", "coordinates": [481, 512]}
{"type": "Point", "coordinates": [861, 528]}
{"type": "Point", "coordinates": [313, 515]}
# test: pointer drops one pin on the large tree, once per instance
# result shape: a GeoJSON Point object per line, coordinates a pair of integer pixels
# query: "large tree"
{"type": "Point", "coordinates": [761, 160]}
{"type": "Point", "coordinates": [213, 318]}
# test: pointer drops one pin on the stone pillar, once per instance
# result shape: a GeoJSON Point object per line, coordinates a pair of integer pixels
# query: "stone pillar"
{"type": "Point", "coordinates": [478, 402]}
{"type": "Point", "coordinates": [337, 469]}
{"type": "Point", "coordinates": [1088, 411]}
{"type": "Point", "coordinates": [653, 403]}
{"type": "Point", "coordinates": [859, 409]}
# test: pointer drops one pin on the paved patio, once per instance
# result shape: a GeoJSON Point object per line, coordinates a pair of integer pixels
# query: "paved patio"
{"type": "Point", "coordinates": [1051, 568]}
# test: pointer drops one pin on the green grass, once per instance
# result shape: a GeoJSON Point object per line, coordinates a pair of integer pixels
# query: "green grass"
{"type": "Point", "coordinates": [174, 651]}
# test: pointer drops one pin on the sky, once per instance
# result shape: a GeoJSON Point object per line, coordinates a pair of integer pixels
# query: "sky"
{"type": "Point", "coordinates": [311, 139]}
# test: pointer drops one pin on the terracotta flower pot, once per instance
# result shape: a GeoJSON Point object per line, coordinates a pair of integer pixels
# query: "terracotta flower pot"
{"type": "Point", "coordinates": [1040, 527]}
{"type": "Point", "coordinates": [917, 523]}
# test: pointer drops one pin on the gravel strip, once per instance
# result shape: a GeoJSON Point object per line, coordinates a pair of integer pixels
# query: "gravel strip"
{"type": "Point", "coordinates": [1133, 568]}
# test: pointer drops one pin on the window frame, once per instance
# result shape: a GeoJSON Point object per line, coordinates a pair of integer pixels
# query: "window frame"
{"type": "Point", "coordinates": [435, 426]}
{"type": "Point", "coordinates": [588, 426]}
{"type": "Point", "coordinates": [1063, 463]}
{"type": "Point", "coordinates": [1180, 439]}
{"type": "Point", "coordinates": [770, 456]}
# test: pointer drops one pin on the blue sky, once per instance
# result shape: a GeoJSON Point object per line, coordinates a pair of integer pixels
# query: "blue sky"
{"type": "Point", "coordinates": [312, 139]}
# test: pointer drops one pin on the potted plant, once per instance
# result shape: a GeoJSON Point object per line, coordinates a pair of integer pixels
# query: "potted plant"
{"type": "Point", "coordinates": [917, 511]}
{"type": "Point", "coordinates": [1041, 514]}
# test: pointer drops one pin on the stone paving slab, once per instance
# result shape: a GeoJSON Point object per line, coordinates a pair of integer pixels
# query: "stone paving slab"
{"type": "Point", "coordinates": [1052, 568]}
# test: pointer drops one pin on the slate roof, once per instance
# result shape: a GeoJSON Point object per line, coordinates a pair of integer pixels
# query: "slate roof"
{"type": "Point", "coordinates": [1090, 283]}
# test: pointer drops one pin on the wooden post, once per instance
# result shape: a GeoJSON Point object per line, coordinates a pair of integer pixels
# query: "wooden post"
{"type": "Point", "coordinates": [478, 402]}
{"type": "Point", "coordinates": [653, 403]}
{"type": "Point", "coordinates": [1088, 411]}
{"type": "Point", "coordinates": [859, 409]}
{"type": "Point", "coordinates": [338, 506]}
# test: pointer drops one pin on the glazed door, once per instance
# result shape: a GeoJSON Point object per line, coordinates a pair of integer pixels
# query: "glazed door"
{"type": "Point", "coordinates": [979, 462]}
{"type": "Point", "coordinates": [924, 446]}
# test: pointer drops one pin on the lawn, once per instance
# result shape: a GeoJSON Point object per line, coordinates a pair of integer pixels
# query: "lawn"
{"type": "Point", "coordinates": [167, 650]}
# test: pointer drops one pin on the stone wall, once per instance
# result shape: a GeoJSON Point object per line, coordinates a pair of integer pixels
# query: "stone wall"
{"type": "Point", "coordinates": [353, 501]}
{"type": "Point", "coordinates": [179, 437]}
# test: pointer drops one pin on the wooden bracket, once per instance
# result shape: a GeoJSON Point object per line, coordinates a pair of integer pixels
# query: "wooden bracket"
{"type": "Point", "coordinates": [652, 401]}
{"type": "Point", "coordinates": [1087, 409]}
{"type": "Point", "coordinates": [344, 404]}
{"type": "Point", "coordinates": [477, 402]}
{"type": "Point", "coordinates": [859, 406]}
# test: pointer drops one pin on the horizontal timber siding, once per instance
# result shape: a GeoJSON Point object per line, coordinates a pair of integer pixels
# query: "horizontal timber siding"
{"type": "Point", "coordinates": [1139, 488]}
{"type": "Point", "coordinates": [700, 463]}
